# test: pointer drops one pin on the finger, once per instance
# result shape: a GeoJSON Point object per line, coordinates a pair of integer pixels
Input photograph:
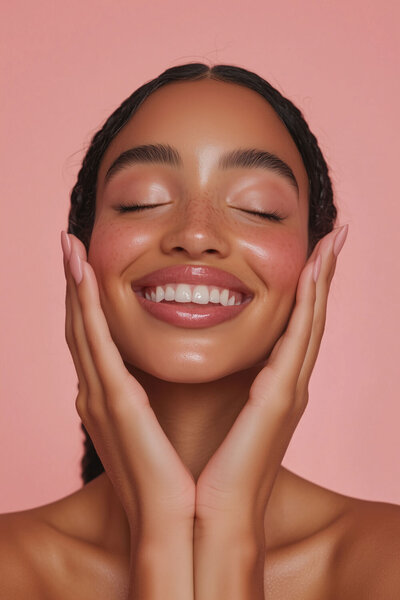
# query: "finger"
{"type": "Point", "coordinates": [80, 349]}
{"type": "Point", "coordinates": [82, 383]}
{"type": "Point", "coordinates": [328, 267]}
{"type": "Point", "coordinates": [297, 337]}
{"type": "Point", "coordinates": [105, 355]}
{"type": "Point", "coordinates": [287, 361]}
{"type": "Point", "coordinates": [69, 335]}
{"type": "Point", "coordinates": [287, 357]}
{"type": "Point", "coordinates": [317, 331]}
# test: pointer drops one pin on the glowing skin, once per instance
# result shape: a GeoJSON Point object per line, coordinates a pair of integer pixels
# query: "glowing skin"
{"type": "Point", "coordinates": [202, 220]}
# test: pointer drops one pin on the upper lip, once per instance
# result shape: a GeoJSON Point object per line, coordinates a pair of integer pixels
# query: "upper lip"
{"type": "Point", "coordinates": [194, 274]}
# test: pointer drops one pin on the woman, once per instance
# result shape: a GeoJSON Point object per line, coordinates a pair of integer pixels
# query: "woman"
{"type": "Point", "coordinates": [200, 253]}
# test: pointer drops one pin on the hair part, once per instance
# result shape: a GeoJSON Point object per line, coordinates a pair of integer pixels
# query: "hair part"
{"type": "Point", "coordinates": [322, 211]}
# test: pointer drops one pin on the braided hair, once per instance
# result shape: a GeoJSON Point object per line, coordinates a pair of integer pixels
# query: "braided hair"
{"type": "Point", "coordinates": [322, 211]}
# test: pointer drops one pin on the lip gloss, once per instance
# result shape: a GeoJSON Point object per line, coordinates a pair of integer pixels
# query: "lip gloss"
{"type": "Point", "coordinates": [191, 315]}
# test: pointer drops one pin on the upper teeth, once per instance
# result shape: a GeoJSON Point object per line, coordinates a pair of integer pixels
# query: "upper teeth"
{"type": "Point", "coordinates": [199, 294]}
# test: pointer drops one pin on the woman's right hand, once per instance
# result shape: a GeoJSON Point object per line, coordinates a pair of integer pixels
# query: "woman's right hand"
{"type": "Point", "coordinates": [155, 488]}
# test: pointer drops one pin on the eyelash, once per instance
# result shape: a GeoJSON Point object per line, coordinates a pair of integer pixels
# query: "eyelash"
{"type": "Point", "coordinates": [273, 216]}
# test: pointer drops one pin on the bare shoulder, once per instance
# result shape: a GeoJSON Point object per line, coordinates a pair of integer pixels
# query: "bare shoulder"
{"type": "Point", "coordinates": [367, 557]}
{"type": "Point", "coordinates": [23, 544]}
{"type": "Point", "coordinates": [329, 545]}
{"type": "Point", "coordinates": [56, 551]}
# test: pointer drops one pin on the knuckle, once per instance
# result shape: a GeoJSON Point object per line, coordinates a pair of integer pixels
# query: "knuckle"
{"type": "Point", "coordinates": [301, 404]}
{"type": "Point", "coordinates": [82, 387]}
{"type": "Point", "coordinates": [81, 405]}
{"type": "Point", "coordinates": [94, 409]}
{"type": "Point", "coordinates": [95, 399]}
{"type": "Point", "coordinates": [281, 402]}
{"type": "Point", "coordinates": [121, 401]}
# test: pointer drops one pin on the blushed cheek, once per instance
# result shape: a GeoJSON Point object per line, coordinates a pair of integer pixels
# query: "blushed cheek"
{"type": "Point", "coordinates": [279, 262]}
{"type": "Point", "coordinates": [105, 248]}
{"type": "Point", "coordinates": [113, 247]}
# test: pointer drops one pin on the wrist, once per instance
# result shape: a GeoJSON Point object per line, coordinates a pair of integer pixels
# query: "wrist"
{"type": "Point", "coordinates": [245, 533]}
{"type": "Point", "coordinates": [247, 552]}
{"type": "Point", "coordinates": [163, 530]}
{"type": "Point", "coordinates": [149, 541]}
{"type": "Point", "coordinates": [162, 567]}
{"type": "Point", "coordinates": [228, 564]}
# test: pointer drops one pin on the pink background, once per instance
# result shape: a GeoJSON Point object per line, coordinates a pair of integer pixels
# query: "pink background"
{"type": "Point", "coordinates": [65, 66]}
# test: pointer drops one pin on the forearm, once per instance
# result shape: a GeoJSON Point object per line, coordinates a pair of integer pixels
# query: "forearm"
{"type": "Point", "coordinates": [163, 568]}
{"type": "Point", "coordinates": [228, 567]}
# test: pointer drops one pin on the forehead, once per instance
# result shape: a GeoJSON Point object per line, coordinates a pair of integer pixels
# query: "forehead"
{"type": "Point", "coordinates": [203, 119]}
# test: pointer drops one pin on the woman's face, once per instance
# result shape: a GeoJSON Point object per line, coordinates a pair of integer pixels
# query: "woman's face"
{"type": "Point", "coordinates": [202, 218]}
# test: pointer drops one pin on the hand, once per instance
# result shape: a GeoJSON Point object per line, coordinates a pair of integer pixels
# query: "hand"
{"type": "Point", "coordinates": [233, 489]}
{"type": "Point", "coordinates": [143, 466]}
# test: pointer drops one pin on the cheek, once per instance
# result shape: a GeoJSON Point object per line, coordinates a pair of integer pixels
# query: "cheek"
{"type": "Point", "coordinates": [278, 258]}
{"type": "Point", "coordinates": [113, 246]}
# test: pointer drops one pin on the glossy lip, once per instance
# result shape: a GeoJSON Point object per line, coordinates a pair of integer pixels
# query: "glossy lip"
{"type": "Point", "coordinates": [191, 315]}
{"type": "Point", "coordinates": [193, 274]}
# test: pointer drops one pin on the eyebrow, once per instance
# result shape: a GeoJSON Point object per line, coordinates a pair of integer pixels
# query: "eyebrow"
{"type": "Point", "coordinates": [248, 158]}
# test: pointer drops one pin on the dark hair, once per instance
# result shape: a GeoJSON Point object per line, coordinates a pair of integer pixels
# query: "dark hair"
{"type": "Point", "coordinates": [322, 211]}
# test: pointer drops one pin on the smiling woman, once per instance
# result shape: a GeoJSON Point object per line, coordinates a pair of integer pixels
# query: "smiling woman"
{"type": "Point", "coordinates": [199, 255]}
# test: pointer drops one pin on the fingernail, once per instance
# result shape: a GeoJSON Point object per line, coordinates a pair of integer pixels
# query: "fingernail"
{"type": "Point", "coordinates": [75, 264]}
{"type": "Point", "coordinates": [317, 267]}
{"type": "Point", "coordinates": [65, 244]}
{"type": "Point", "coordinates": [340, 239]}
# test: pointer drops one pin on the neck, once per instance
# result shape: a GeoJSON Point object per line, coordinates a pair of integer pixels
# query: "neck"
{"type": "Point", "coordinates": [196, 417]}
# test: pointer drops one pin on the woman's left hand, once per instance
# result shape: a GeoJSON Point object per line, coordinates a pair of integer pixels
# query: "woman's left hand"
{"type": "Point", "coordinates": [233, 489]}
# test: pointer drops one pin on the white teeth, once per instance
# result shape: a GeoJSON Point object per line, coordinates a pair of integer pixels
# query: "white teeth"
{"type": "Point", "coordinates": [182, 293]}
{"type": "Point", "coordinates": [159, 293]}
{"type": "Point", "coordinates": [198, 294]}
{"type": "Point", "coordinates": [169, 292]}
{"type": "Point", "coordinates": [214, 296]}
{"type": "Point", "coordinates": [223, 297]}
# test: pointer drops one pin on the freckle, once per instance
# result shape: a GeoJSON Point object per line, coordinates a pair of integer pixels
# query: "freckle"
{"type": "Point", "coordinates": [204, 209]}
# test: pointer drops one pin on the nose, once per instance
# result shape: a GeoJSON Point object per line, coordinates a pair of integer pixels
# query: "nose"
{"type": "Point", "coordinates": [198, 230]}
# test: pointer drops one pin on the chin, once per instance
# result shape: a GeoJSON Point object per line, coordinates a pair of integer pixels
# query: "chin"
{"type": "Point", "coordinates": [190, 369]}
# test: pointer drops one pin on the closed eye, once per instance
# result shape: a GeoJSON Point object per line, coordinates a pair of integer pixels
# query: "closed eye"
{"type": "Point", "coordinates": [134, 207]}
{"type": "Point", "coordinates": [273, 216]}
{"type": "Point", "coordinates": [122, 208]}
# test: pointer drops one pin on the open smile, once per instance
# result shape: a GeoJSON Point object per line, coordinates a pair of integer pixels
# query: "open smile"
{"type": "Point", "coordinates": [190, 313]}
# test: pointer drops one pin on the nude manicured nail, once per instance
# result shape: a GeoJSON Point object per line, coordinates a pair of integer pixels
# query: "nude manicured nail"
{"type": "Point", "coordinates": [340, 240]}
{"type": "Point", "coordinates": [66, 244]}
{"type": "Point", "coordinates": [317, 267]}
{"type": "Point", "coordinates": [75, 264]}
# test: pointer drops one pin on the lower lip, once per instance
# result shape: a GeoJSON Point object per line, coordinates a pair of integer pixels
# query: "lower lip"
{"type": "Point", "coordinates": [191, 315]}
